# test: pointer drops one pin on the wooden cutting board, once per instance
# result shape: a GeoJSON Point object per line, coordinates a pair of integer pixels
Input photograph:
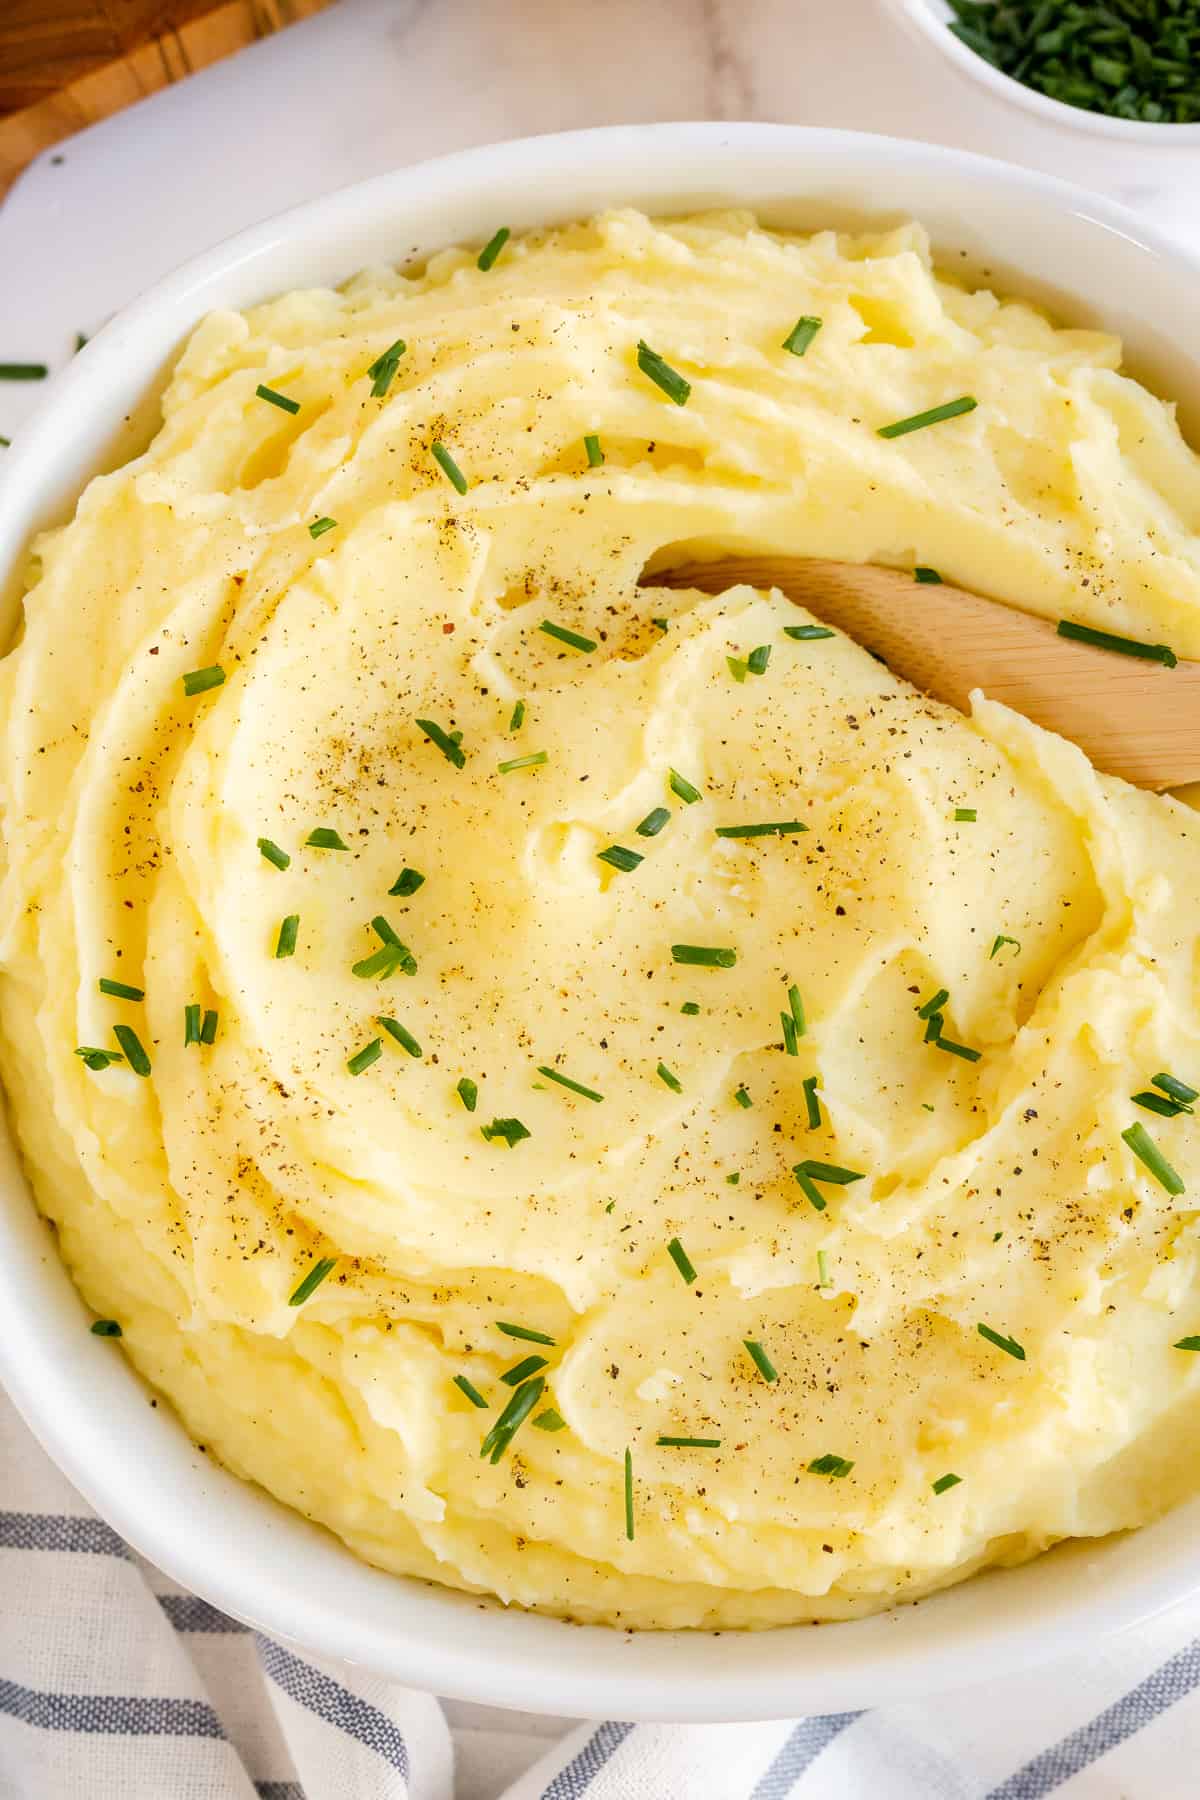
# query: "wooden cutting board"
{"type": "Point", "coordinates": [65, 64]}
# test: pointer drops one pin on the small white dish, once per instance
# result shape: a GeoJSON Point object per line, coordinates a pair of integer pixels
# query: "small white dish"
{"type": "Point", "coordinates": [929, 20]}
{"type": "Point", "coordinates": [1092, 262]}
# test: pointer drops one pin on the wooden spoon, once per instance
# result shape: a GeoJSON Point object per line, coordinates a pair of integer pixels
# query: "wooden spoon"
{"type": "Point", "coordinates": [1130, 717]}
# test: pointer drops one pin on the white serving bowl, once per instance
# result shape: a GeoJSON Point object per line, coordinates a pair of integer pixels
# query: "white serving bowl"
{"type": "Point", "coordinates": [227, 1540]}
{"type": "Point", "coordinates": [929, 20]}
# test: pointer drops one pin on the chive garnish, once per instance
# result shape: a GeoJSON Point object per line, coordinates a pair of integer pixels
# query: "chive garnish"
{"type": "Point", "coordinates": [198, 681]}
{"type": "Point", "coordinates": [672, 383]}
{"type": "Point", "coordinates": [550, 1421]}
{"type": "Point", "coordinates": [518, 716]}
{"type": "Point", "coordinates": [944, 1483]}
{"type": "Point", "coordinates": [953, 409]}
{"type": "Point", "coordinates": [407, 883]}
{"type": "Point", "coordinates": [105, 1328]}
{"type": "Point", "coordinates": [742, 1096]}
{"type": "Point", "coordinates": [96, 1059]}
{"type": "Point", "coordinates": [734, 1178]}
{"type": "Point", "coordinates": [802, 334]}
{"type": "Point", "coordinates": [690, 1008]}
{"type": "Point", "coordinates": [191, 1025]}
{"type": "Point", "coordinates": [402, 1035]}
{"type": "Point", "coordinates": [131, 1044]}
{"type": "Point", "coordinates": [660, 624]}
{"type": "Point", "coordinates": [739, 670]}
{"type": "Point", "coordinates": [777, 828]}
{"type": "Point", "coordinates": [120, 990]}
{"type": "Point", "coordinates": [809, 1172]}
{"type": "Point", "coordinates": [1009, 1345]}
{"type": "Point", "coordinates": [703, 956]}
{"type": "Point", "coordinates": [807, 634]}
{"type": "Point", "coordinates": [965, 815]}
{"type": "Point", "coordinates": [492, 249]}
{"type": "Point", "coordinates": [829, 1464]}
{"type": "Point", "coordinates": [688, 1443]}
{"type": "Point", "coordinates": [23, 371]}
{"type": "Point", "coordinates": [1158, 1103]}
{"type": "Point", "coordinates": [934, 1004]}
{"type": "Point", "coordinates": [362, 1059]}
{"type": "Point", "coordinates": [576, 1087]}
{"type": "Point", "coordinates": [391, 959]}
{"type": "Point", "coordinates": [319, 527]}
{"type": "Point", "coordinates": [534, 760]}
{"type": "Point", "coordinates": [1188, 1343]}
{"type": "Point", "coordinates": [682, 1260]}
{"type": "Point", "coordinates": [512, 1418]}
{"type": "Point", "coordinates": [629, 1494]}
{"type": "Point", "coordinates": [679, 784]}
{"type": "Point", "coordinates": [758, 659]}
{"type": "Point", "coordinates": [468, 1092]}
{"type": "Point", "coordinates": [447, 742]}
{"type": "Point", "coordinates": [618, 857]}
{"type": "Point", "coordinates": [208, 1031]}
{"type": "Point", "coordinates": [325, 838]}
{"type": "Point", "coordinates": [796, 1007]}
{"type": "Point", "coordinates": [1106, 640]}
{"type": "Point", "coordinates": [1177, 1090]}
{"type": "Point", "coordinates": [824, 1280]}
{"type": "Point", "coordinates": [383, 369]}
{"type": "Point", "coordinates": [511, 1130]}
{"type": "Point", "coordinates": [277, 399]}
{"type": "Point", "coordinates": [999, 941]}
{"type": "Point", "coordinates": [811, 1102]}
{"type": "Point", "coordinates": [761, 1360]}
{"type": "Point", "coordinates": [273, 853]}
{"type": "Point", "coordinates": [524, 1333]}
{"type": "Point", "coordinates": [791, 1046]}
{"type": "Point", "coordinates": [924, 573]}
{"type": "Point", "coordinates": [953, 1049]}
{"type": "Point", "coordinates": [448, 466]}
{"type": "Point", "coordinates": [564, 636]}
{"type": "Point", "coordinates": [1148, 1152]}
{"type": "Point", "coordinates": [468, 1388]}
{"type": "Point", "coordinates": [528, 1365]}
{"type": "Point", "coordinates": [312, 1280]}
{"type": "Point", "coordinates": [653, 822]}
{"type": "Point", "coordinates": [933, 1027]}
{"type": "Point", "coordinates": [668, 1079]}
{"type": "Point", "coordinates": [595, 454]}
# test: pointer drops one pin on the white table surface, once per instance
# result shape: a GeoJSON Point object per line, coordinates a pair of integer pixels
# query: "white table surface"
{"type": "Point", "coordinates": [375, 83]}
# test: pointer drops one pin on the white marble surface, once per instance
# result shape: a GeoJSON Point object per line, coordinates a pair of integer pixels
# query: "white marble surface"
{"type": "Point", "coordinates": [375, 83]}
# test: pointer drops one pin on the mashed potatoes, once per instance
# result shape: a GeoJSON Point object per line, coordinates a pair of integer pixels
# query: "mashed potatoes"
{"type": "Point", "coordinates": [491, 1086]}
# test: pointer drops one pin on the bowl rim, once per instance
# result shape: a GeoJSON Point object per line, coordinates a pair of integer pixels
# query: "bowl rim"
{"type": "Point", "coordinates": [231, 1542]}
{"type": "Point", "coordinates": [929, 20]}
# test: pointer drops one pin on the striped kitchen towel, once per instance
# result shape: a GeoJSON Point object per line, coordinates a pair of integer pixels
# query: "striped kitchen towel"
{"type": "Point", "coordinates": [116, 1685]}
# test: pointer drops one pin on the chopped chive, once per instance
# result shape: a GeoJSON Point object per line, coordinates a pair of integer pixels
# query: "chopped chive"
{"type": "Point", "coordinates": [965, 815]}
{"type": "Point", "coordinates": [470, 1390]}
{"type": "Point", "coordinates": [998, 943]}
{"type": "Point", "coordinates": [796, 1007]}
{"type": "Point", "coordinates": [96, 1059]}
{"type": "Point", "coordinates": [739, 670]}
{"type": "Point", "coordinates": [1187, 1343]}
{"type": "Point", "coordinates": [672, 383]}
{"type": "Point", "coordinates": [407, 883]}
{"type": "Point", "coordinates": [518, 716]}
{"type": "Point", "coordinates": [534, 760]}
{"type": "Point", "coordinates": [629, 1494]}
{"type": "Point", "coordinates": [264, 392]}
{"type": "Point", "coordinates": [688, 1443]}
{"type": "Point", "coordinates": [120, 990]}
{"type": "Point", "coordinates": [660, 624]}
{"type": "Point", "coordinates": [690, 1008]}
{"type": "Point", "coordinates": [653, 822]}
{"type": "Point", "coordinates": [382, 964]}
{"type": "Point", "coordinates": [777, 828]}
{"type": "Point", "coordinates": [951, 410]}
{"type": "Point", "coordinates": [811, 1102]}
{"type": "Point", "coordinates": [550, 1421]}
{"type": "Point", "coordinates": [802, 334]}
{"type": "Point", "coordinates": [953, 1049]}
{"type": "Point", "coordinates": [679, 784]}
{"type": "Point", "coordinates": [924, 573]}
{"type": "Point", "coordinates": [384, 932]}
{"type": "Point", "coordinates": [758, 659]}
{"type": "Point", "coordinates": [617, 857]}
{"type": "Point", "coordinates": [734, 1178]}
{"type": "Point", "coordinates": [703, 956]}
{"type": "Point", "coordinates": [933, 1027]}
{"type": "Point", "coordinates": [105, 1328]}
{"type": "Point", "coordinates": [944, 1483]}
{"type": "Point", "coordinates": [131, 1044]}
{"type": "Point", "coordinates": [273, 853]}
{"type": "Point", "coordinates": [829, 1464]}
{"type": "Point", "coordinates": [383, 369]}
{"type": "Point", "coordinates": [285, 944]}
{"type": "Point", "coordinates": [468, 1092]}
{"type": "Point", "coordinates": [595, 454]}
{"type": "Point", "coordinates": [512, 1418]}
{"type": "Point", "coordinates": [564, 636]}
{"type": "Point", "coordinates": [528, 1365]}
{"type": "Point", "coordinates": [524, 1333]}
{"type": "Point", "coordinates": [1009, 1345]}
{"type": "Point", "coordinates": [1176, 1089]}
{"type": "Point", "coordinates": [761, 1360]}
{"type": "Point", "coordinates": [6, 443]}
{"type": "Point", "coordinates": [362, 1059]}
{"type": "Point", "coordinates": [191, 1025]}
{"type": "Point", "coordinates": [208, 1031]}
{"type": "Point", "coordinates": [791, 1046]}
{"type": "Point", "coordinates": [742, 1096]}
{"type": "Point", "coordinates": [565, 1081]}
{"type": "Point", "coordinates": [1105, 640]}
{"type": "Point", "coordinates": [823, 1277]}
{"type": "Point", "coordinates": [668, 1080]}
{"type": "Point", "coordinates": [934, 1004]}
{"type": "Point", "coordinates": [23, 371]}
{"type": "Point", "coordinates": [1158, 1103]}
{"type": "Point", "coordinates": [1147, 1152]}
{"type": "Point", "coordinates": [682, 1260]}
{"type": "Point", "coordinates": [492, 249]}
{"type": "Point", "coordinates": [448, 466]}
{"type": "Point", "coordinates": [447, 742]}
{"type": "Point", "coordinates": [511, 1130]}
{"type": "Point", "coordinates": [808, 634]}
{"type": "Point", "coordinates": [319, 527]}
{"type": "Point", "coordinates": [402, 1035]}
{"type": "Point", "coordinates": [198, 681]}
{"type": "Point", "coordinates": [312, 1280]}
{"type": "Point", "coordinates": [820, 1171]}
{"type": "Point", "coordinates": [325, 838]}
